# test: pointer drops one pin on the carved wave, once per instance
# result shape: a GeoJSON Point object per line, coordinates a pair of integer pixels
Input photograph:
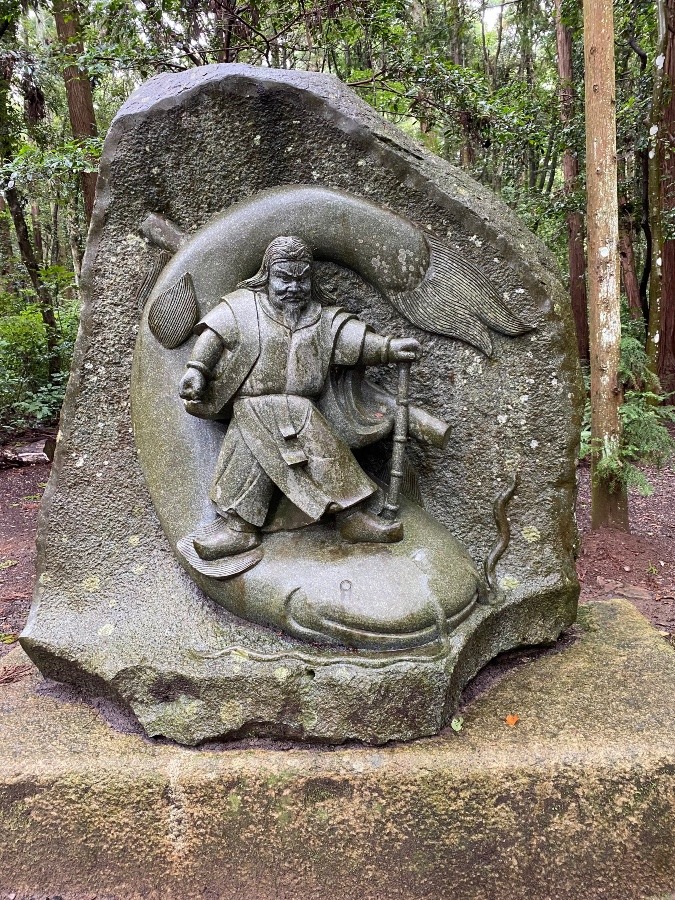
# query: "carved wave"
{"type": "Point", "coordinates": [457, 300]}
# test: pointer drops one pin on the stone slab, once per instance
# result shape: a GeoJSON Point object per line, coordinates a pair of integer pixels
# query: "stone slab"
{"type": "Point", "coordinates": [576, 801]}
{"type": "Point", "coordinates": [115, 609]}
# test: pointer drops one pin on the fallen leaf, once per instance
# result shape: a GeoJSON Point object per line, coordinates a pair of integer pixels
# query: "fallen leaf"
{"type": "Point", "coordinates": [512, 719]}
{"type": "Point", "coordinates": [8, 563]}
{"type": "Point", "coordinates": [457, 723]}
{"type": "Point", "coordinates": [7, 638]}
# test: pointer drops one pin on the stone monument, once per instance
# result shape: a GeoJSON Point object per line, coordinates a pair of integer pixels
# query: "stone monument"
{"type": "Point", "coordinates": [316, 464]}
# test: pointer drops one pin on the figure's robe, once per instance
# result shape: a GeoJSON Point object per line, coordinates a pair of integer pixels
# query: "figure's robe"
{"type": "Point", "coordinates": [277, 437]}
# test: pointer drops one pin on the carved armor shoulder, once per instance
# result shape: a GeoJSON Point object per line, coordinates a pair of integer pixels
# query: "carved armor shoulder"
{"type": "Point", "coordinates": [237, 316]}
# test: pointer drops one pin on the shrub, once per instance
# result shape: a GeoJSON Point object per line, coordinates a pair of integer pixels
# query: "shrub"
{"type": "Point", "coordinates": [27, 393]}
{"type": "Point", "coordinates": [645, 414]}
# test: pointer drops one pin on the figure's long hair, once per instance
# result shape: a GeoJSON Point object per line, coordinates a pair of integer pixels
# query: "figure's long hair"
{"type": "Point", "coordinates": [286, 247]}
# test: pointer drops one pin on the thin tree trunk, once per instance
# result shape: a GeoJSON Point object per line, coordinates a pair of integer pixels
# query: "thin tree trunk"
{"type": "Point", "coordinates": [643, 178]}
{"type": "Point", "coordinates": [75, 241]}
{"type": "Point", "coordinates": [37, 234]}
{"type": "Point", "coordinates": [609, 504]}
{"type": "Point", "coordinates": [456, 26]}
{"type": "Point", "coordinates": [6, 248]}
{"type": "Point", "coordinates": [629, 277]}
{"type": "Point", "coordinates": [55, 251]}
{"type": "Point", "coordinates": [467, 154]}
{"type": "Point", "coordinates": [570, 168]}
{"type": "Point", "coordinates": [32, 267]}
{"type": "Point", "coordinates": [654, 183]}
{"type": "Point", "coordinates": [78, 90]}
{"type": "Point", "coordinates": [223, 31]}
{"type": "Point", "coordinates": [551, 174]}
{"type": "Point", "coordinates": [543, 169]}
{"type": "Point", "coordinates": [628, 272]}
{"type": "Point", "coordinates": [455, 29]}
{"type": "Point", "coordinates": [666, 369]}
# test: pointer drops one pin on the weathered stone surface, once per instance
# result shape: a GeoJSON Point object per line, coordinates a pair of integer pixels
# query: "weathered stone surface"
{"type": "Point", "coordinates": [576, 801]}
{"type": "Point", "coordinates": [114, 609]}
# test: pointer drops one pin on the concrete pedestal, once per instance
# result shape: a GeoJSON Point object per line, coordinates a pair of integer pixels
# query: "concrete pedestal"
{"type": "Point", "coordinates": [576, 801]}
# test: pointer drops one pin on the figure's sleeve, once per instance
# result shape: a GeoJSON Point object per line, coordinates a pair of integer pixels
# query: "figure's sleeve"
{"type": "Point", "coordinates": [220, 320]}
{"type": "Point", "coordinates": [349, 340]}
{"type": "Point", "coordinates": [357, 344]}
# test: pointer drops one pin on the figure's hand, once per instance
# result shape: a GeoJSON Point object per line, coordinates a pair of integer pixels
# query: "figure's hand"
{"type": "Point", "coordinates": [192, 385]}
{"type": "Point", "coordinates": [404, 350]}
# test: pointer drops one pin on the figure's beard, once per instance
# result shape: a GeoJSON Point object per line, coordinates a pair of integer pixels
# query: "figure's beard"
{"type": "Point", "coordinates": [291, 303]}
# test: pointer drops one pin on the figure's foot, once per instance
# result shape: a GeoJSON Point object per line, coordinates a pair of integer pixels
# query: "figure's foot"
{"type": "Point", "coordinates": [360, 526]}
{"type": "Point", "coordinates": [225, 539]}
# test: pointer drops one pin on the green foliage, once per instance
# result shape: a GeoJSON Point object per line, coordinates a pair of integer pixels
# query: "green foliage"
{"type": "Point", "coordinates": [645, 416]}
{"type": "Point", "coordinates": [28, 394]}
{"type": "Point", "coordinates": [33, 163]}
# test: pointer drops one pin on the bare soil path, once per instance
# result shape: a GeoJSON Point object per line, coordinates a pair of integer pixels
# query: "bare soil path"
{"type": "Point", "coordinates": [20, 493]}
{"type": "Point", "coordinates": [639, 566]}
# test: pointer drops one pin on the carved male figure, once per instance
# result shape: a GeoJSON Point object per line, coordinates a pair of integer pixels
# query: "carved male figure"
{"type": "Point", "coordinates": [264, 354]}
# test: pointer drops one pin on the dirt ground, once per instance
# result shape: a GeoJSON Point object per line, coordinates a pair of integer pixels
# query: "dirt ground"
{"type": "Point", "coordinates": [639, 566]}
{"type": "Point", "coordinates": [20, 492]}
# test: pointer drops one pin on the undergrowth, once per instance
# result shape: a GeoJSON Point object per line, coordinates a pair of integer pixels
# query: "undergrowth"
{"type": "Point", "coordinates": [29, 395]}
{"type": "Point", "coordinates": [645, 414]}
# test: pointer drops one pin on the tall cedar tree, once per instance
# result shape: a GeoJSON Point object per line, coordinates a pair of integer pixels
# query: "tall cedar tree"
{"type": "Point", "coordinates": [609, 504]}
{"type": "Point", "coordinates": [666, 368]}
{"type": "Point", "coordinates": [570, 170]}
{"type": "Point", "coordinates": [654, 171]}
{"type": "Point", "coordinates": [78, 89]}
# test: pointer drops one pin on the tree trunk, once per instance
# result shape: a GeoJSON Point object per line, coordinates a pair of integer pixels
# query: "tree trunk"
{"type": "Point", "coordinates": [37, 234]}
{"type": "Point", "coordinates": [525, 29]}
{"type": "Point", "coordinates": [6, 249]}
{"type": "Point", "coordinates": [654, 187]}
{"type": "Point", "coordinates": [666, 369]}
{"type": "Point", "coordinates": [32, 267]}
{"type": "Point", "coordinates": [609, 504]}
{"type": "Point", "coordinates": [78, 90]}
{"type": "Point", "coordinates": [570, 168]}
{"type": "Point", "coordinates": [546, 163]}
{"type": "Point", "coordinates": [75, 246]}
{"type": "Point", "coordinates": [630, 281]}
{"type": "Point", "coordinates": [455, 14]}
{"type": "Point", "coordinates": [467, 154]}
{"type": "Point", "coordinates": [55, 255]}
{"type": "Point", "coordinates": [223, 30]}
{"type": "Point", "coordinates": [629, 277]}
{"type": "Point", "coordinates": [455, 27]}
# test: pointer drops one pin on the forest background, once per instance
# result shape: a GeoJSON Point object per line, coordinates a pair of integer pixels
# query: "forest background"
{"type": "Point", "coordinates": [494, 87]}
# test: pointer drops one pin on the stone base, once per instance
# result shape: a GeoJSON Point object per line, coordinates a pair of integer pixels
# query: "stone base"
{"type": "Point", "coordinates": [214, 689]}
{"type": "Point", "coordinates": [577, 800]}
